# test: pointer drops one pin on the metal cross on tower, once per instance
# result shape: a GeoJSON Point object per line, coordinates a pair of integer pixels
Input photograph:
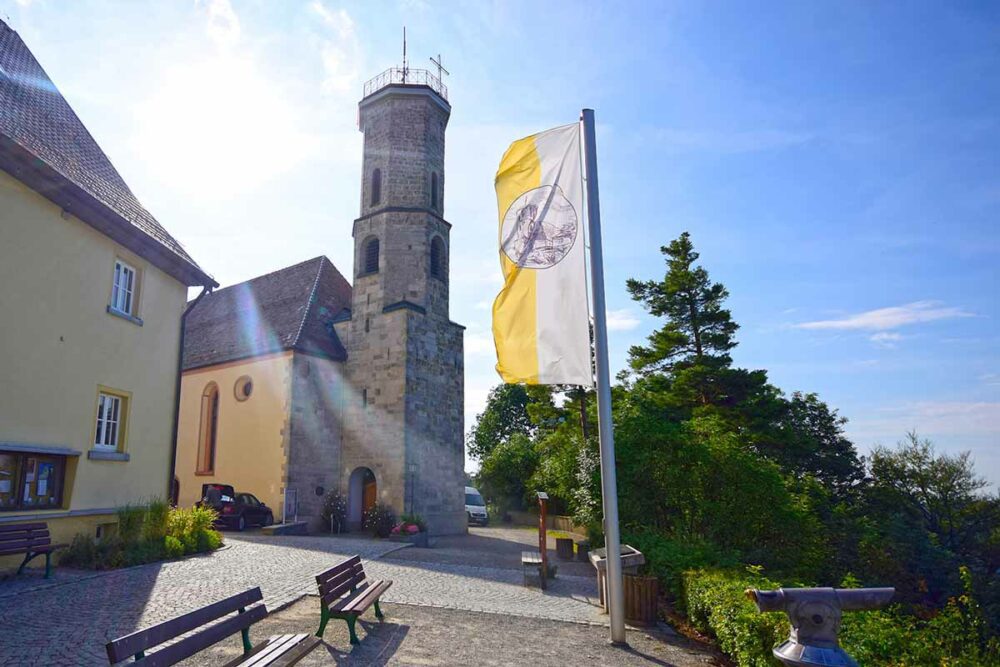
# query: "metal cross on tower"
{"type": "Point", "coordinates": [440, 67]}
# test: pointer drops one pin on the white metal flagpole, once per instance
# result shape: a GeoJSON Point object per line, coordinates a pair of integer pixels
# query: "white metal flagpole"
{"type": "Point", "coordinates": [609, 485]}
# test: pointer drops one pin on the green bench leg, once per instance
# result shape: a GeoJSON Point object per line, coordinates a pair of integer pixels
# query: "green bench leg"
{"type": "Point", "coordinates": [351, 620]}
{"type": "Point", "coordinates": [323, 619]}
{"type": "Point", "coordinates": [48, 564]}
{"type": "Point", "coordinates": [378, 612]}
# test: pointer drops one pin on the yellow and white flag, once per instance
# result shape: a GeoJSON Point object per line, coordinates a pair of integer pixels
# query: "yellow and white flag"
{"type": "Point", "coordinates": [541, 318]}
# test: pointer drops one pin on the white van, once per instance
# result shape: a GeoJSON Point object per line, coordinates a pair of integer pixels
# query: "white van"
{"type": "Point", "coordinates": [475, 507]}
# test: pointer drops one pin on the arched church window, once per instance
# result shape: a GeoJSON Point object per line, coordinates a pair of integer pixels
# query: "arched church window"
{"type": "Point", "coordinates": [209, 432]}
{"type": "Point", "coordinates": [439, 267]}
{"type": "Point", "coordinates": [370, 255]}
{"type": "Point", "coordinates": [434, 190]}
{"type": "Point", "coordinates": [376, 186]}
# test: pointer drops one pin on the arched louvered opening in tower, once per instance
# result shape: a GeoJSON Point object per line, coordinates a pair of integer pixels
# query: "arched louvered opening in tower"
{"type": "Point", "coordinates": [370, 255]}
{"type": "Point", "coordinates": [376, 186]}
{"type": "Point", "coordinates": [439, 259]}
{"type": "Point", "coordinates": [434, 190]}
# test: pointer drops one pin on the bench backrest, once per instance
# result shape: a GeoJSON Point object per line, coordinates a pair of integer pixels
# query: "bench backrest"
{"type": "Point", "coordinates": [139, 642]}
{"type": "Point", "coordinates": [339, 579]}
{"type": "Point", "coordinates": [23, 537]}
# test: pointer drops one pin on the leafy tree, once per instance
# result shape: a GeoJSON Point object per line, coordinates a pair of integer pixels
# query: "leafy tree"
{"type": "Point", "coordinates": [806, 437]}
{"type": "Point", "coordinates": [699, 332]}
{"type": "Point", "coordinates": [939, 491]}
{"type": "Point", "coordinates": [504, 473]}
{"type": "Point", "coordinates": [505, 415]}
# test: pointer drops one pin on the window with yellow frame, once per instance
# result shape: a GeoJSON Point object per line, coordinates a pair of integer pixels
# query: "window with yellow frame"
{"type": "Point", "coordinates": [111, 423]}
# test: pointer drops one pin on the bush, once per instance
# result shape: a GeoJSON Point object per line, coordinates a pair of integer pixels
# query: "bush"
{"type": "Point", "coordinates": [81, 553]}
{"type": "Point", "coordinates": [157, 521]}
{"type": "Point", "coordinates": [668, 559]}
{"type": "Point", "coordinates": [956, 636]}
{"type": "Point", "coordinates": [146, 534]}
{"type": "Point", "coordinates": [716, 604]}
{"type": "Point", "coordinates": [379, 520]}
{"type": "Point", "coordinates": [130, 522]}
{"type": "Point", "coordinates": [173, 547]}
{"type": "Point", "coordinates": [335, 512]}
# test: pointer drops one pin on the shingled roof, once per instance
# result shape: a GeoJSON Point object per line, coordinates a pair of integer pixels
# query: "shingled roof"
{"type": "Point", "coordinates": [290, 309]}
{"type": "Point", "coordinates": [45, 145]}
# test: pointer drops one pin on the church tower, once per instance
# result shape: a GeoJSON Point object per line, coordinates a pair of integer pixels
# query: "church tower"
{"type": "Point", "coordinates": [404, 435]}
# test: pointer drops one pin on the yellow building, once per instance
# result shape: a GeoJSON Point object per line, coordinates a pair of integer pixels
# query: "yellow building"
{"type": "Point", "coordinates": [92, 293]}
{"type": "Point", "coordinates": [262, 389]}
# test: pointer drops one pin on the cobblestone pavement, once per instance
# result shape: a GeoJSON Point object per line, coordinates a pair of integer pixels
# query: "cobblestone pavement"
{"type": "Point", "coordinates": [412, 635]}
{"type": "Point", "coordinates": [68, 621]}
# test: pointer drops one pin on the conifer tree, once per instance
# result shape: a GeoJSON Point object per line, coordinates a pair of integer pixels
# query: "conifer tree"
{"type": "Point", "coordinates": [694, 342]}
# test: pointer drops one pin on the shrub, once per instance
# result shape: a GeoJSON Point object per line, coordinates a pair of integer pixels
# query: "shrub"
{"type": "Point", "coordinates": [173, 547]}
{"type": "Point", "coordinates": [130, 522]}
{"type": "Point", "coordinates": [380, 520]}
{"type": "Point", "coordinates": [335, 512]}
{"type": "Point", "coordinates": [82, 553]}
{"type": "Point", "coordinates": [669, 558]}
{"type": "Point", "coordinates": [157, 521]}
{"type": "Point", "coordinates": [716, 604]}
{"type": "Point", "coordinates": [956, 636]}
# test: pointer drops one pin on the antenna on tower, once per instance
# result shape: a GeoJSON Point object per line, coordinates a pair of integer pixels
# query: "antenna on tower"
{"type": "Point", "coordinates": [440, 68]}
{"type": "Point", "coordinates": [406, 69]}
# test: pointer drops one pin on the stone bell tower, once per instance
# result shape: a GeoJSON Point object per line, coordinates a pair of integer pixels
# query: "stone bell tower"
{"type": "Point", "coordinates": [405, 362]}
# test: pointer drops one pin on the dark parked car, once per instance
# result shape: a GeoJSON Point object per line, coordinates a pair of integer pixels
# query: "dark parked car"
{"type": "Point", "coordinates": [236, 510]}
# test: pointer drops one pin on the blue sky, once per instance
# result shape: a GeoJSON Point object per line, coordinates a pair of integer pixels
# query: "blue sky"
{"type": "Point", "coordinates": [837, 164]}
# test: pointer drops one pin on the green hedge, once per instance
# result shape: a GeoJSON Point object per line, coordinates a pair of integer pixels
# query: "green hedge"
{"type": "Point", "coordinates": [955, 636]}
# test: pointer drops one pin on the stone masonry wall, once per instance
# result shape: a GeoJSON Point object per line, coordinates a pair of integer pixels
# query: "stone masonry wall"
{"type": "Point", "coordinates": [315, 433]}
{"type": "Point", "coordinates": [435, 422]}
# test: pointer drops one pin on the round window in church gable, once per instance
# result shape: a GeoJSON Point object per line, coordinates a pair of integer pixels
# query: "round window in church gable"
{"type": "Point", "coordinates": [243, 388]}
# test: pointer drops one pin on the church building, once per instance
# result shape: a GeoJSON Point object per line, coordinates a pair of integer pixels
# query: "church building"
{"type": "Point", "coordinates": [297, 383]}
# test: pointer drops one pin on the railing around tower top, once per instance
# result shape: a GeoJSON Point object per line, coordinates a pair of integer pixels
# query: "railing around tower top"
{"type": "Point", "coordinates": [407, 76]}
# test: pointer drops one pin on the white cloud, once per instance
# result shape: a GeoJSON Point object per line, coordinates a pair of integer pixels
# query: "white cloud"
{"type": "Point", "coordinates": [883, 319]}
{"type": "Point", "coordinates": [479, 343]}
{"type": "Point", "coordinates": [340, 51]}
{"type": "Point", "coordinates": [622, 320]}
{"type": "Point", "coordinates": [886, 339]}
{"type": "Point", "coordinates": [223, 24]}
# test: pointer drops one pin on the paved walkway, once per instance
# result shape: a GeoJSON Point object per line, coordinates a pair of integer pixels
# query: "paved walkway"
{"type": "Point", "coordinates": [412, 635]}
{"type": "Point", "coordinates": [68, 620]}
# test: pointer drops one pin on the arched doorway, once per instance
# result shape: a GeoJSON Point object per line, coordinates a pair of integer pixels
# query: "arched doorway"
{"type": "Point", "coordinates": [362, 494]}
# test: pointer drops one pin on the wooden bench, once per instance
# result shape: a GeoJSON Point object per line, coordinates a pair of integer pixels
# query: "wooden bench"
{"type": "Point", "coordinates": [30, 539]}
{"type": "Point", "coordinates": [280, 650]}
{"type": "Point", "coordinates": [529, 560]}
{"type": "Point", "coordinates": [345, 593]}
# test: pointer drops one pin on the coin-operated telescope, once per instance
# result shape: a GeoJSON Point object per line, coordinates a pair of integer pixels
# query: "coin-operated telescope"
{"type": "Point", "coordinates": [815, 617]}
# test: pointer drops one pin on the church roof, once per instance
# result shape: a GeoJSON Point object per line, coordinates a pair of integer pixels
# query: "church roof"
{"type": "Point", "coordinates": [290, 309]}
{"type": "Point", "coordinates": [45, 145]}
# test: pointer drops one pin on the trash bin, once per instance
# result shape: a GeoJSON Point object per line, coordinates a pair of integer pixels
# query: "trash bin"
{"type": "Point", "coordinates": [564, 548]}
{"type": "Point", "coordinates": [632, 558]}
{"type": "Point", "coordinates": [582, 551]}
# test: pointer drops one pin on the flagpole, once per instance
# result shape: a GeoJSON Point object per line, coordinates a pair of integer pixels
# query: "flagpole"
{"type": "Point", "coordinates": [609, 485]}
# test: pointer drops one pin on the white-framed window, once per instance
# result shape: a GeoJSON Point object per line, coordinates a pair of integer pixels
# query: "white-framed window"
{"type": "Point", "coordinates": [123, 289]}
{"type": "Point", "coordinates": [109, 421]}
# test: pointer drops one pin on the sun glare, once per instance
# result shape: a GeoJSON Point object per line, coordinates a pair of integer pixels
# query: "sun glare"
{"type": "Point", "coordinates": [218, 127]}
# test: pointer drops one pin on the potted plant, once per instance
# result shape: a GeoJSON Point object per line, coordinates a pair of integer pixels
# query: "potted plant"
{"type": "Point", "coordinates": [412, 529]}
